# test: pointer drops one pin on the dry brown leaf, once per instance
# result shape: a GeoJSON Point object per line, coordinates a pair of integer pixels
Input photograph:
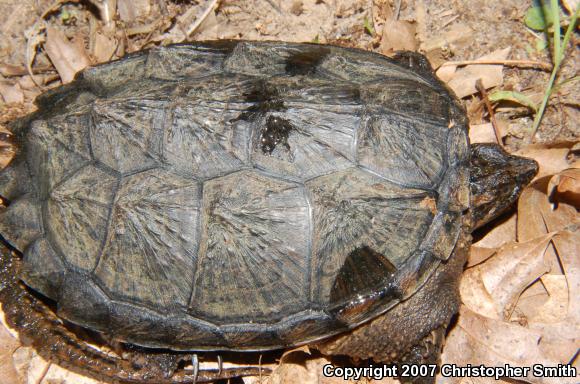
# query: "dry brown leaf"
{"type": "Point", "coordinates": [571, 5]}
{"type": "Point", "coordinates": [104, 47]}
{"type": "Point", "coordinates": [504, 277]}
{"type": "Point", "coordinates": [303, 369]}
{"type": "Point", "coordinates": [567, 246]}
{"type": "Point", "coordinates": [463, 82]}
{"type": "Point", "coordinates": [130, 10]}
{"type": "Point", "coordinates": [455, 33]}
{"type": "Point", "coordinates": [478, 255]}
{"type": "Point", "coordinates": [556, 306]}
{"type": "Point", "coordinates": [551, 160]}
{"type": "Point", "coordinates": [503, 233]}
{"type": "Point", "coordinates": [68, 57]}
{"type": "Point", "coordinates": [475, 296]}
{"type": "Point", "coordinates": [537, 216]}
{"type": "Point", "coordinates": [446, 73]}
{"type": "Point", "coordinates": [483, 133]}
{"type": "Point", "coordinates": [514, 267]}
{"type": "Point", "coordinates": [530, 302]}
{"type": "Point", "coordinates": [565, 186]}
{"type": "Point", "coordinates": [11, 93]}
{"type": "Point", "coordinates": [7, 149]}
{"type": "Point", "coordinates": [8, 344]}
{"type": "Point", "coordinates": [560, 338]}
{"type": "Point", "coordinates": [398, 35]}
{"type": "Point", "coordinates": [480, 340]}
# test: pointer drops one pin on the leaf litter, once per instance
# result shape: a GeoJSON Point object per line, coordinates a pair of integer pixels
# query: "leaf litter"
{"type": "Point", "coordinates": [521, 284]}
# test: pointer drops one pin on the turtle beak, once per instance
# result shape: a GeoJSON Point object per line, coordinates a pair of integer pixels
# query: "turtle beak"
{"type": "Point", "coordinates": [524, 170]}
{"type": "Point", "coordinates": [497, 180]}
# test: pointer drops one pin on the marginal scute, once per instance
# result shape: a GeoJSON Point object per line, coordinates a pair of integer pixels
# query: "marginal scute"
{"type": "Point", "coordinates": [403, 150]}
{"type": "Point", "coordinates": [353, 209]}
{"type": "Point", "coordinates": [363, 68]}
{"type": "Point", "coordinates": [183, 62]}
{"type": "Point", "coordinates": [20, 223]}
{"type": "Point", "coordinates": [77, 215]}
{"type": "Point", "coordinates": [255, 228]}
{"type": "Point", "coordinates": [42, 269]}
{"type": "Point", "coordinates": [409, 98]}
{"type": "Point", "coordinates": [15, 180]}
{"type": "Point", "coordinates": [56, 149]}
{"type": "Point", "coordinates": [257, 335]}
{"type": "Point", "coordinates": [111, 76]}
{"type": "Point", "coordinates": [251, 58]}
{"type": "Point", "coordinates": [189, 331]}
{"type": "Point", "coordinates": [83, 303]}
{"type": "Point", "coordinates": [152, 238]}
{"type": "Point", "coordinates": [304, 325]}
{"type": "Point", "coordinates": [458, 149]}
{"type": "Point", "coordinates": [442, 235]}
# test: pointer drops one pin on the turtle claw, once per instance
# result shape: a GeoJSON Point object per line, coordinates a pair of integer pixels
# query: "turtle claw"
{"type": "Point", "coordinates": [220, 362]}
{"type": "Point", "coordinates": [195, 362]}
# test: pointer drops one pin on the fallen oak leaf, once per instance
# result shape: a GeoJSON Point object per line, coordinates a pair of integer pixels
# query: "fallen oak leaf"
{"type": "Point", "coordinates": [478, 255]}
{"type": "Point", "coordinates": [475, 296]}
{"type": "Point", "coordinates": [560, 339]}
{"type": "Point", "coordinates": [515, 266]}
{"type": "Point", "coordinates": [398, 35]}
{"type": "Point", "coordinates": [530, 302]}
{"type": "Point", "coordinates": [8, 345]}
{"type": "Point", "coordinates": [551, 159]}
{"type": "Point", "coordinates": [463, 81]}
{"type": "Point", "coordinates": [480, 340]}
{"type": "Point", "coordinates": [68, 57]}
{"type": "Point", "coordinates": [537, 216]}
{"type": "Point", "coordinates": [565, 186]}
{"type": "Point", "coordinates": [482, 133]}
{"type": "Point", "coordinates": [503, 233]}
{"type": "Point", "coordinates": [556, 307]}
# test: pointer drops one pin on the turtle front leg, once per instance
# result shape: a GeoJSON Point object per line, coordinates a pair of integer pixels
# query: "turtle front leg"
{"type": "Point", "coordinates": [39, 327]}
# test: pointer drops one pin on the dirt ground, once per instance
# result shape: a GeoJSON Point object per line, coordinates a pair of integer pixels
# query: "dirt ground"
{"type": "Point", "coordinates": [43, 43]}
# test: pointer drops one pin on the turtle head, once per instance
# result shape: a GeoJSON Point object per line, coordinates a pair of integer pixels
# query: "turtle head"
{"type": "Point", "coordinates": [496, 181]}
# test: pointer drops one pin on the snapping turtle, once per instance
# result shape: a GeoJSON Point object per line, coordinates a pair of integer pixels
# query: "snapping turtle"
{"type": "Point", "coordinates": [245, 196]}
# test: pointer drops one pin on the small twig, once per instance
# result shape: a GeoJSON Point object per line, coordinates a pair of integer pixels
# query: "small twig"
{"type": "Point", "coordinates": [508, 63]}
{"type": "Point", "coordinates": [276, 8]}
{"type": "Point", "coordinates": [481, 89]}
{"type": "Point", "coordinates": [397, 12]}
{"type": "Point", "coordinates": [44, 373]}
{"type": "Point", "coordinates": [214, 4]}
{"type": "Point", "coordinates": [260, 368]}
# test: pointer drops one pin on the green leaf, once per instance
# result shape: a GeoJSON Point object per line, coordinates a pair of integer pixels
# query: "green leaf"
{"type": "Point", "coordinates": [369, 27]}
{"type": "Point", "coordinates": [539, 18]}
{"type": "Point", "coordinates": [541, 45]}
{"type": "Point", "coordinates": [516, 97]}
